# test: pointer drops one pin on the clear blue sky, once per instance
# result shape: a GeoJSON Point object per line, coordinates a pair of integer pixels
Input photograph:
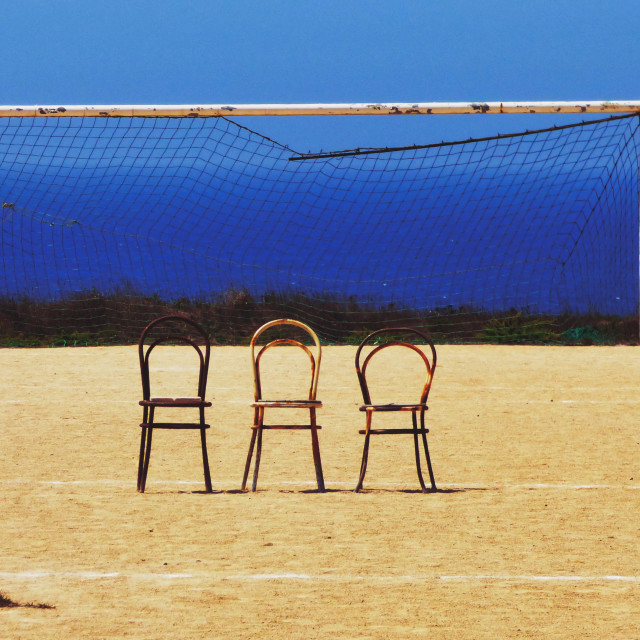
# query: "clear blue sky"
{"type": "Point", "coordinates": [279, 51]}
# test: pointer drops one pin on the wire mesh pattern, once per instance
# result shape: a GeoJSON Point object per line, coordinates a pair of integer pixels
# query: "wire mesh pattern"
{"type": "Point", "coordinates": [107, 222]}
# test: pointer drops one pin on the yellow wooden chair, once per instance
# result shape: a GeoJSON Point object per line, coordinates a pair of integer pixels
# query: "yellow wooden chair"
{"type": "Point", "coordinates": [261, 404]}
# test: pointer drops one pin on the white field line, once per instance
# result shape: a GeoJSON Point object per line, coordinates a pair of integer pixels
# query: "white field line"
{"type": "Point", "coordinates": [219, 484]}
{"type": "Point", "coordinates": [515, 401]}
{"type": "Point", "coordinates": [306, 577]}
{"type": "Point", "coordinates": [247, 402]}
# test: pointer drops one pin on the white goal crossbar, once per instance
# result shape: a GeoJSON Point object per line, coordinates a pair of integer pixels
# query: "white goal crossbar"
{"type": "Point", "coordinates": [338, 109]}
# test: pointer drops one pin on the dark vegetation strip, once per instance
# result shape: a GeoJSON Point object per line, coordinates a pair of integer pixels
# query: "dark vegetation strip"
{"type": "Point", "coordinates": [7, 603]}
{"type": "Point", "coordinates": [93, 319]}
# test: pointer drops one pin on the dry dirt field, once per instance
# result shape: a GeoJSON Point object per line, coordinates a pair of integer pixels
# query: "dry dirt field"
{"type": "Point", "coordinates": [533, 534]}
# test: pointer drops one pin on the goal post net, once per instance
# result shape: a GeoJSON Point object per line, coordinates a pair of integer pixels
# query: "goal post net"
{"type": "Point", "coordinates": [107, 222]}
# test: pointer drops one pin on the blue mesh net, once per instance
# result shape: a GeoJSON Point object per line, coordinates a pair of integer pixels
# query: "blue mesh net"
{"type": "Point", "coordinates": [106, 221]}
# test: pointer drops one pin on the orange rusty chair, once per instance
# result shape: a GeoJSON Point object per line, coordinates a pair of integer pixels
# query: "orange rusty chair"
{"type": "Point", "coordinates": [172, 330]}
{"type": "Point", "coordinates": [383, 339]}
{"type": "Point", "coordinates": [261, 403]}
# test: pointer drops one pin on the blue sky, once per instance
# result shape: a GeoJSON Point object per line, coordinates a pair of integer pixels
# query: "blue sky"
{"type": "Point", "coordinates": [279, 51]}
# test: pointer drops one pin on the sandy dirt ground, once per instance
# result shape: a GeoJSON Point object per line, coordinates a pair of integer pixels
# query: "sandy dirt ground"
{"type": "Point", "coordinates": [533, 534]}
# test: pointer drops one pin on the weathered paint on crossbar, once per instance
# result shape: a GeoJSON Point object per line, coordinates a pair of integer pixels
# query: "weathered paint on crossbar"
{"type": "Point", "coordinates": [382, 108]}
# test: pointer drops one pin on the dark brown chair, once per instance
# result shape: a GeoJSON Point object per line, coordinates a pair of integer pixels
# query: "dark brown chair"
{"type": "Point", "coordinates": [261, 403]}
{"type": "Point", "coordinates": [384, 339]}
{"type": "Point", "coordinates": [172, 330]}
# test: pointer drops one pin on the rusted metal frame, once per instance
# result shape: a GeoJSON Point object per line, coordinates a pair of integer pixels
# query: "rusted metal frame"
{"type": "Point", "coordinates": [421, 407]}
{"type": "Point", "coordinates": [187, 341]}
{"type": "Point", "coordinates": [295, 323]}
{"type": "Point", "coordinates": [423, 433]}
{"type": "Point", "coordinates": [315, 446]}
{"type": "Point", "coordinates": [287, 404]}
{"type": "Point", "coordinates": [427, 385]}
{"type": "Point", "coordinates": [254, 433]}
{"type": "Point", "coordinates": [185, 403]}
{"type": "Point", "coordinates": [204, 360]}
{"type": "Point", "coordinates": [147, 450]}
{"type": "Point", "coordinates": [147, 457]}
{"type": "Point", "coordinates": [329, 109]}
{"type": "Point", "coordinates": [414, 421]}
{"type": "Point", "coordinates": [149, 406]}
{"type": "Point", "coordinates": [360, 370]}
{"type": "Point", "coordinates": [365, 453]}
{"type": "Point", "coordinates": [143, 445]}
{"type": "Point", "coordinates": [257, 435]}
{"type": "Point", "coordinates": [281, 341]}
{"type": "Point", "coordinates": [254, 482]}
{"type": "Point", "coordinates": [177, 426]}
{"type": "Point", "coordinates": [422, 430]}
{"type": "Point", "coordinates": [205, 455]}
{"type": "Point", "coordinates": [392, 407]}
{"type": "Point", "coordinates": [259, 406]}
{"type": "Point", "coordinates": [289, 427]}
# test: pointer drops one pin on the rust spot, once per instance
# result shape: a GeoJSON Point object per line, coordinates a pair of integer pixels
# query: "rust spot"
{"type": "Point", "coordinates": [410, 111]}
{"type": "Point", "coordinates": [229, 108]}
{"type": "Point", "coordinates": [62, 109]}
{"type": "Point", "coordinates": [482, 108]}
{"type": "Point", "coordinates": [429, 111]}
{"type": "Point", "coordinates": [583, 109]}
{"type": "Point", "coordinates": [377, 107]}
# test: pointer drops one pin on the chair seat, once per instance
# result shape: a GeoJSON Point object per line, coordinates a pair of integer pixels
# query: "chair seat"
{"type": "Point", "coordinates": [285, 426]}
{"type": "Point", "coordinates": [288, 404]}
{"type": "Point", "coordinates": [387, 431]}
{"type": "Point", "coordinates": [174, 425]}
{"type": "Point", "coordinates": [393, 407]}
{"type": "Point", "coordinates": [175, 402]}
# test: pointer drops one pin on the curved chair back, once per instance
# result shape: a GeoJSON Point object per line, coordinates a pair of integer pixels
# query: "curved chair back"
{"type": "Point", "coordinates": [174, 329]}
{"type": "Point", "coordinates": [373, 339]}
{"type": "Point", "coordinates": [315, 354]}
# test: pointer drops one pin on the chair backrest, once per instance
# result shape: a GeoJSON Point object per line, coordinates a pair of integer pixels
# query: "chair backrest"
{"type": "Point", "coordinates": [385, 338]}
{"type": "Point", "coordinates": [174, 330]}
{"type": "Point", "coordinates": [314, 358]}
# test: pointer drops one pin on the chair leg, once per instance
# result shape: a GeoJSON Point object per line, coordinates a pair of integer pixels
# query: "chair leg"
{"type": "Point", "coordinates": [143, 445]}
{"type": "Point", "coordinates": [365, 454]}
{"type": "Point", "coordinates": [143, 442]}
{"type": "Point", "coordinates": [426, 452]}
{"type": "Point", "coordinates": [205, 461]}
{"type": "Point", "coordinates": [417, 450]}
{"type": "Point", "coordinates": [147, 456]}
{"type": "Point", "coordinates": [247, 466]}
{"type": "Point", "coordinates": [258, 417]}
{"type": "Point", "coordinates": [254, 484]}
{"type": "Point", "coordinates": [316, 450]}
